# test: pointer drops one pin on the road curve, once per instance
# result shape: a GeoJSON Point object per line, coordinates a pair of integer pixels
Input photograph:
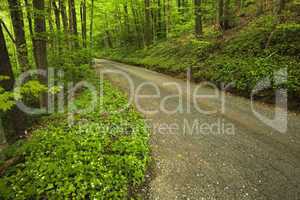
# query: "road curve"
{"type": "Point", "coordinates": [228, 154]}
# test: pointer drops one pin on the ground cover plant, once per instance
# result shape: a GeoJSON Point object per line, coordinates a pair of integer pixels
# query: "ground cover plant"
{"type": "Point", "coordinates": [103, 155]}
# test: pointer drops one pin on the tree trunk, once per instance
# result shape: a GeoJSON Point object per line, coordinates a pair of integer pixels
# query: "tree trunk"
{"type": "Point", "coordinates": [57, 24]}
{"type": "Point", "coordinates": [29, 17]}
{"type": "Point", "coordinates": [64, 16]}
{"type": "Point", "coordinates": [13, 119]}
{"type": "Point", "coordinates": [148, 24]}
{"type": "Point", "coordinates": [18, 26]}
{"type": "Point", "coordinates": [198, 19]}
{"type": "Point", "coordinates": [280, 6]}
{"type": "Point", "coordinates": [260, 7]}
{"type": "Point", "coordinates": [40, 44]}
{"type": "Point", "coordinates": [138, 29]}
{"type": "Point", "coordinates": [109, 41]}
{"type": "Point", "coordinates": [92, 25]}
{"type": "Point", "coordinates": [179, 6]}
{"type": "Point", "coordinates": [57, 15]}
{"type": "Point", "coordinates": [49, 10]}
{"type": "Point", "coordinates": [73, 21]}
{"type": "Point", "coordinates": [238, 4]}
{"type": "Point", "coordinates": [83, 22]}
{"type": "Point", "coordinates": [220, 14]}
{"type": "Point", "coordinates": [226, 15]}
{"type": "Point", "coordinates": [128, 36]}
{"type": "Point", "coordinates": [6, 68]}
{"type": "Point", "coordinates": [161, 30]}
{"type": "Point", "coordinates": [167, 16]}
{"type": "Point", "coordinates": [182, 9]}
{"type": "Point", "coordinates": [154, 22]}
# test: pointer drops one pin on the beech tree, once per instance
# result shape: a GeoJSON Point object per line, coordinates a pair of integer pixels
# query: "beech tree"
{"type": "Point", "coordinates": [6, 68]}
{"type": "Point", "coordinates": [148, 23]}
{"type": "Point", "coordinates": [49, 17]}
{"type": "Point", "coordinates": [223, 14]}
{"type": "Point", "coordinates": [73, 21]}
{"type": "Point", "coordinates": [64, 16]}
{"type": "Point", "coordinates": [92, 25]}
{"type": "Point", "coordinates": [56, 14]}
{"type": "Point", "coordinates": [18, 27]}
{"type": "Point", "coordinates": [198, 18]}
{"type": "Point", "coordinates": [40, 40]}
{"type": "Point", "coordinates": [83, 22]}
{"type": "Point", "coordinates": [29, 17]}
{"type": "Point", "coordinates": [220, 13]}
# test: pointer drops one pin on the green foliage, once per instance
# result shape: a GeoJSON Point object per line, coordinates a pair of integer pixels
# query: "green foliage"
{"type": "Point", "coordinates": [173, 56]}
{"type": "Point", "coordinates": [16, 149]}
{"type": "Point", "coordinates": [252, 39]}
{"type": "Point", "coordinates": [252, 54]}
{"type": "Point", "coordinates": [6, 100]}
{"type": "Point", "coordinates": [31, 90]}
{"type": "Point", "coordinates": [246, 73]}
{"type": "Point", "coordinates": [73, 64]}
{"type": "Point", "coordinates": [101, 156]}
{"type": "Point", "coordinates": [286, 39]}
{"type": "Point", "coordinates": [263, 36]}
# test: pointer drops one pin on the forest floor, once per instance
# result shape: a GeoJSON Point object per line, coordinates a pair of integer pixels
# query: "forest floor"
{"type": "Point", "coordinates": [252, 161]}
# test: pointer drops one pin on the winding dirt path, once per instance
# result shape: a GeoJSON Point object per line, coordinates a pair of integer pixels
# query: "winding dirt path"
{"type": "Point", "coordinates": [232, 156]}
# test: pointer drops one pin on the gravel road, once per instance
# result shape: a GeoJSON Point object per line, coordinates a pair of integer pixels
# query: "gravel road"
{"type": "Point", "coordinates": [226, 154]}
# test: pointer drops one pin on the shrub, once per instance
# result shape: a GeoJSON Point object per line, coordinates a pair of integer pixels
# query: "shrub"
{"type": "Point", "coordinates": [286, 39]}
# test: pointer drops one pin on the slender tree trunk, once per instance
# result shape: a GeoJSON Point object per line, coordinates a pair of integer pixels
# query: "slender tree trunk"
{"type": "Point", "coordinates": [40, 44]}
{"type": "Point", "coordinates": [220, 14]}
{"type": "Point", "coordinates": [223, 14]}
{"type": "Point", "coordinates": [73, 21]}
{"type": "Point", "coordinates": [57, 24]}
{"type": "Point", "coordinates": [83, 22]}
{"type": "Point", "coordinates": [280, 6]}
{"type": "Point", "coordinates": [109, 41]}
{"type": "Point", "coordinates": [29, 17]}
{"type": "Point", "coordinates": [238, 4]}
{"type": "Point", "coordinates": [153, 23]}
{"type": "Point", "coordinates": [198, 19]}
{"type": "Point", "coordinates": [182, 9]}
{"type": "Point", "coordinates": [138, 29]}
{"type": "Point", "coordinates": [18, 26]}
{"type": "Point", "coordinates": [6, 68]}
{"type": "Point", "coordinates": [226, 15]}
{"type": "Point", "coordinates": [64, 16]}
{"type": "Point", "coordinates": [49, 10]}
{"type": "Point", "coordinates": [51, 39]}
{"type": "Point", "coordinates": [179, 6]}
{"type": "Point", "coordinates": [126, 23]}
{"type": "Point", "coordinates": [161, 31]}
{"type": "Point", "coordinates": [57, 15]}
{"type": "Point", "coordinates": [92, 25]}
{"type": "Point", "coordinates": [167, 18]}
{"type": "Point", "coordinates": [148, 24]}
{"type": "Point", "coordinates": [260, 7]}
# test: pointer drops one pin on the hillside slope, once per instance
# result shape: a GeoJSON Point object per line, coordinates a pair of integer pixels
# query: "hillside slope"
{"type": "Point", "coordinates": [244, 56]}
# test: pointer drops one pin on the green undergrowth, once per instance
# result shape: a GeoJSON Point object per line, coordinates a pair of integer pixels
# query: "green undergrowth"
{"type": "Point", "coordinates": [103, 155]}
{"type": "Point", "coordinates": [246, 57]}
{"type": "Point", "coordinates": [173, 56]}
